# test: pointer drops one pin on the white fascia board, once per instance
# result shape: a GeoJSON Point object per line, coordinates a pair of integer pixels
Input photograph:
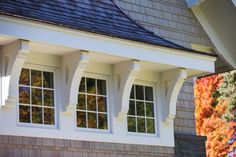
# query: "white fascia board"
{"type": "Point", "coordinates": [44, 33]}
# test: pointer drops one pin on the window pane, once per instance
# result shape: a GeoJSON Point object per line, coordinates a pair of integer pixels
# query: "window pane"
{"type": "Point", "coordinates": [36, 78]}
{"type": "Point", "coordinates": [91, 103]}
{"type": "Point", "coordinates": [81, 119]}
{"type": "Point", "coordinates": [132, 93]}
{"type": "Point", "coordinates": [24, 77]}
{"type": "Point", "coordinates": [47, 79]}
{"type": "Point", "coordinates": [139, 92]}
{"type": "Point", "coordinates": [48, 98]}
{"type": "Point", "coordinates": [101, 87]}
{"type": "Point", "coordinates": [37, 115]}
{"type": "Point", "coordinates": [140, 108]}
{"type": "Point", "coordinates": [148, 93]}
{"type": "Point", "coordinates": [81, 102]}
{"type": "Point", "coordinates": [131, 108]}
{"type": "Point", "coordinates": [24, 95]}
{"type": "Point", "coordinates": [24, 114]}
{"type": "Point", "coordinates": [131, 124]}
{"type": "Point", "coordinates": [102, 104]}
{"type": "Point", "coordinates": [149, 110]}
{"type": "Point", "coordinates": [49, 116]}
{"type": "Point", "coordinates": [82, 85]}
{"type": "Point", "coordinates": [141, 125]}
{"type": "Point", "coordinates": [91, 88]}
{"type": "Point", "coordinates": [36, 96]}
{"type": "Point", "coordinates": [150, 126]}
{"type": "Point", "coordinates": [102, 121]}
{"type": "Point", "coordinates": [92, 120]}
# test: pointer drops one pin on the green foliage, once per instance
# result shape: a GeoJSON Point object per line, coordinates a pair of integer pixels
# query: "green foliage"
{"type": "Point", "coordinates": [227, 91]}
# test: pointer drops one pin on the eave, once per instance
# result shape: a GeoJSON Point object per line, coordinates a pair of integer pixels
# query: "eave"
{"type": "Point", "coordinates": [218, 19]}
{"type": "Point", "coordinates": [67, 37]}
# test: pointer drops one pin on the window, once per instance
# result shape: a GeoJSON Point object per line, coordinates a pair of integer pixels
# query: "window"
{"type": "Point", "coordinates": [91, 109]}
{"type": "Point", "coordinates": [36, 97]}
{"type": "Point", "coordinates": [141, 117]}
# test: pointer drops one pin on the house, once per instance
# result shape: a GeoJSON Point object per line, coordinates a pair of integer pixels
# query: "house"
{"type": "Point", "coordinates": [90, 78]}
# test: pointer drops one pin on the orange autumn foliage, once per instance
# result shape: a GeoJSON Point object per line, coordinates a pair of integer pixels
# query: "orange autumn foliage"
{"type": "Point", "coordinates": [208, 117]}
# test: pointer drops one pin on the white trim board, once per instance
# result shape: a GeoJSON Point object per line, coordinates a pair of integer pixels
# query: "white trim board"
{"type": "Point", "coordinates": [66, 37]}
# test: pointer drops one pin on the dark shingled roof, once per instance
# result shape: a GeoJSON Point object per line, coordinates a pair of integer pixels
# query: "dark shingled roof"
{"type": "Point", "coordinates": [96, 16]}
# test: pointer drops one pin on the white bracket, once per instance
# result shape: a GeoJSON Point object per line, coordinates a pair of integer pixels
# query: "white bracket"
{"type": "Point", "coordinates": [73, 68]}
{"type": "Point", "coordinates": [13, 57]}
{"type": "Point", "coordinates": [172, 82]}
{"type": "Point", "coordinates": [125, 74]}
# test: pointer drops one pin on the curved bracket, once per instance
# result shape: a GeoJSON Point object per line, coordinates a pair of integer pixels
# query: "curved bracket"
{"type": "Point", "coordinates": [172, 82]}
{"type": "Point", "coordinates": [125, 73]}
{"type": "Point", "coordinates": [13, 59]}
{"type": "Point", "coordinates": [73, 66]}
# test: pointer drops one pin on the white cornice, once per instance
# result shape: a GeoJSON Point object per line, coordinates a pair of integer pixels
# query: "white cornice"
{"type": "Point", "coordinates": [103, 44]}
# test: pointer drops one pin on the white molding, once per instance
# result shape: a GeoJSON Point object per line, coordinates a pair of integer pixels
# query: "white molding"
{"type": "Point", "coordinates": [13, 59]}
{"type": "Point", "coordinates": [125, 74]}
{"type": "Point", "coordinates": [172, 82]}
{"type": "Point", "coordinates": [73, 68]}
{"type": "Point", "coordinates": [76, 39]}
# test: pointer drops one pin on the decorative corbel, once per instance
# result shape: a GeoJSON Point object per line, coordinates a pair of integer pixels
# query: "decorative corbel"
{"type": "Point", "coordinates": [125, 74]}
{"type": "Point", "coordinates": [172, 82]}
{"type": "Point", "coordinates": [13, 57]}
{"type": "Point", "coordinates": [74, 66]}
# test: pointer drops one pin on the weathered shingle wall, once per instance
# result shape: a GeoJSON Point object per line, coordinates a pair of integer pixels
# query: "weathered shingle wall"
{"type": "Point", "coordinates": [17, 146]}
{"type": "Point", "coordinates": [170, 19]}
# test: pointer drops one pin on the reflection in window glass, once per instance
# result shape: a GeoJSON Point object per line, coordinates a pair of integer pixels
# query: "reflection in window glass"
{"type": "Point", "coordinates": [24, 77]}
{"type": "Point", "coordinates": [141, 117]}
{"type": "Point", "coordinates": [24, 114]}
{"type": "Point", "coordinates": [36, 97]}
{"type": "Point", "coordinates": [91, 109]}
{"type": "Point", "coordinates": [47, 79]}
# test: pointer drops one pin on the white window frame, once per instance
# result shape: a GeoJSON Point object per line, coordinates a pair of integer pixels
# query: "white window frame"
{"type": "Point", "coordinates": [156, 134]}
{"type": "Point", "coordinates": [106, 78]}
{"type": "Point", "coordinates": [46, 69]}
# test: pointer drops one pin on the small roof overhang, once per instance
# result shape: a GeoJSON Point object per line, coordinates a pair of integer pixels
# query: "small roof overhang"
{"type": "Point", "coordinates": [96, 26]}
{"type": "Point", "coordinates": [218, 18]}
{"type": "Point", "coordinates": [69, 38]}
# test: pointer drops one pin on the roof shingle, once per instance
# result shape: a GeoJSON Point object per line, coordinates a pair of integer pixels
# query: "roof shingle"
{"type": "Point", "coordinates": [96, 16]}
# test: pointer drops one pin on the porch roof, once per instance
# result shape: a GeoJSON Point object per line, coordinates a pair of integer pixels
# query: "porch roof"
{"type": "Point", "coordinates": [95, 16]}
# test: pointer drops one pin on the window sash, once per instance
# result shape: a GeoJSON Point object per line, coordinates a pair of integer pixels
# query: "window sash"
{"type": "Point", "coordinates": [42, 69]}
{"type": "Point", "coordinates": [145, 117]}
{"type": "Point", "coordinates": [86, 111]}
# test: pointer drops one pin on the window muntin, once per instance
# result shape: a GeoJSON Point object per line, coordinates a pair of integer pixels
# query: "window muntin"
{"type": "Point", "coordinates": [92, 109]}
{"type": "Point", "coordinates": [36, 97]}
{"type": "Point", "coordinates": [141, 115]}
